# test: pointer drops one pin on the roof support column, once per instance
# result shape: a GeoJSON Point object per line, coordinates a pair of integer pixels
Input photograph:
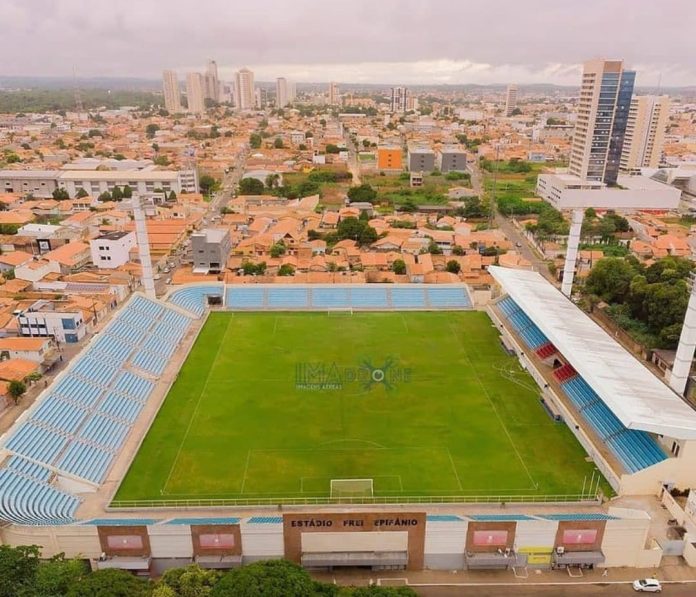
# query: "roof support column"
{"type": "Point", "coordinates": [143, 248]}
{"type": "Point", "coordinates": [572, 251]}
{"type": "Point", "coordinates": [687, 344]}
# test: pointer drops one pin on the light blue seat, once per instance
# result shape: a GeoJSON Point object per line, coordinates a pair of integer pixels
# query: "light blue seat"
{"type": "Point", "coordinates": [87, 461]}
{"type": "Point", "coordinates": [96, 372]}
{"type": "Point", "coordinates": [448, 297]}
{"type": "Point", "coordinates": [104, 431]}
{"type": "Point", "coordinates": [194, 298]}
{"type": "Point", "coordinates": [150, 362]}
{"type": "Point", "coordinates": [330, 298]}
{"type": "Point", "coordinates": [288, 298]}
{"type": "Point", "coordinates": [369, 297]}
{"type": "Point", "coordinates": [36, 442]}
{"type": "Point", "coordinates": [28, 468]}
{"type": "Point", "coordinates": [245, 297]}
{"type": "Point", "coordinates": [133, 386]}
{"type": "Point", "coordinates": [122, 408]}
{"type": "Point", "coordinates": [59, 414]}
{"type": "Point", "coordinates": [408, 298]}
{"type": "Point", "coordinates": [77, 390]}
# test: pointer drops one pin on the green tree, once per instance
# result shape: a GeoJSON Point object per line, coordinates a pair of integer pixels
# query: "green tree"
{"type": "Point", "coordinates": [278, 143]}
{"type": "Point", "coordinates": [273, 180]}
{"type": "Point", "coordinates": [161, 160]}
{"type": "Point", "coordinates": [357, 230]}
{"type": "Point", "coordinates": [273, 578]}
{"type": "Point", "coordinates": [151, 129]}
{"type": "Point", "coordinates": [278, 249]}
{"type": "Point", "coordinates": [16, 389]}
{"type": "Point", "coordinates": [286, 270]}
{"type": "Point", "coordinates": [105, 196]}
{"type": "Point", "coordinates": [434, 248]}
{"type": "Point", "coordinates": [110, 583]}
{"type": "Point", "coordinates": [457, 250]}
{"type": "Point", "coordinates": [255, 140]}
{"type": "Point", "coordinates": [331, 148]}
{"type": "Point", "coordinates": [56, 576]}
{"type": "Point", "coordinates": [18, 566]}
{"type": "Point", "coordinates": [251, 186]}
{"type": "Point", "coordinates": [378, 591]}
{"type": "Point", "coordinates": [610, 279]}
{"type": "Point", "coordinates": [117, 194]}
{"type": "Point", "coordinates": [453, 266]}
{"type": "Point", "coordinates": [191, 581]}
{"type": "Point", "coordinates": [127, 192]}
{"type": "Point", "coordinates": [60, 194]}
{"type": "Point", "coordinates": [399, 267]}
{"type": "Point", "coordinates": [208, 184]}
{"type": "Point", "coordinates": [172, 196]}
{"type": "Point", "coordinates": [81, 193]}
{"type": "Point", "coordinates": [363, 192]}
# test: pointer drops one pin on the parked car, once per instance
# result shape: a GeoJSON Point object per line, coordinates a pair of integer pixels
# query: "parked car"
{"type": "Point", "coordinates": [647, 585]}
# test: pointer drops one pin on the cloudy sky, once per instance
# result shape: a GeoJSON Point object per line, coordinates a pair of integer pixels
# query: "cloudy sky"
{"type": "Point", "coordinates": [362, 41]}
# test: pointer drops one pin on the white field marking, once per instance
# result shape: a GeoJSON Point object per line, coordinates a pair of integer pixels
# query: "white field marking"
{"type": "Point", "coordinates": [495, 410]}
{"type": "Point", "coordinates": [454, 468]}
{"type": "Point", "coordinates": [525, 575]}
{"type": "Point", "coordinates": [392, 582]}
{"type": "Point", "coordinates": [362, 441]}
{"type": "Point", "coordinates": [246, 468]}
{"type": "Point", "coordinates": [275, 325]}
{"type": "Point", "coordinates": [195, 411]}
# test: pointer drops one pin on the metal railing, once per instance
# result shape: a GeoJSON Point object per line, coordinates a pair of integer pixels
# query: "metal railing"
{"type": "Point", "coordinates": [374, 500]}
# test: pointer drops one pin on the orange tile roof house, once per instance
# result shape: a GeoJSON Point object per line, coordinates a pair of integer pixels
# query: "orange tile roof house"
{"type": "Point", "coordinates": [18, 369]}
{"type": "Point", "coordinates": [13, 259]}
{"type": "Point", "coordinates": [31, 349]}
{"type": "Point", "coordinates": [70, 257]}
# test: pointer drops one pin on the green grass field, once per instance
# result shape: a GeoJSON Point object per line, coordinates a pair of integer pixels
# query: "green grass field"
{"type": "Point", "coordinates": [272, 405]}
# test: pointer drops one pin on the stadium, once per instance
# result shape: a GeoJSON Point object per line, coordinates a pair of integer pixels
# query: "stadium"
{"type": "Point", "coordinates": [382, 426]}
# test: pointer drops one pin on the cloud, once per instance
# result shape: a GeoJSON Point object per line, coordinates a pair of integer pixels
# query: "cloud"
{"type": "Point", "coordinates": [363, 40]}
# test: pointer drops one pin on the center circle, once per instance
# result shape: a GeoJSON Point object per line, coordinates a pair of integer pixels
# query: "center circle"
{"type": "Point", "coordinates": [377, 375]}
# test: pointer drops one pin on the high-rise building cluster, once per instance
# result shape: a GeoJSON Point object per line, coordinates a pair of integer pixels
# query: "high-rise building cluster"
{"type": "Point", "coordinates": [199, 87]}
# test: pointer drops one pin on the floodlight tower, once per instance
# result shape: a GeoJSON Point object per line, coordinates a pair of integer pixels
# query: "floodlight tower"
{"type": "Point", "coordinates": [143, 247]}
{"type": "Point", "coordinates": [687, 345]}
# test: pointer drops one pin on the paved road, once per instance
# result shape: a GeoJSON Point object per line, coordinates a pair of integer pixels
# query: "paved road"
{"type": "Point", "coordinates": [677, 590]}
{"type": "Point", "coordinates": [353, 162]}
{"type": "Point", "coordinates": [524, 248]}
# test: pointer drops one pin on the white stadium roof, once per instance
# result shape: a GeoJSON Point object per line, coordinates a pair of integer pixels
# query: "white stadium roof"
{"type": "Point", "coordinates": [636, 396]}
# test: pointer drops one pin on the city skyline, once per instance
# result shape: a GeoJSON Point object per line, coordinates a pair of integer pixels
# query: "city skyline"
{"type": "Point", "coordinates": [376, 43]}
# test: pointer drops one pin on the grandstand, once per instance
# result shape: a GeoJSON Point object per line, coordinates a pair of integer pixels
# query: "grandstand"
{"type": "Point", "coordinates": [76, 429]}
{"type": "Point", "coordinates": [628, 419]}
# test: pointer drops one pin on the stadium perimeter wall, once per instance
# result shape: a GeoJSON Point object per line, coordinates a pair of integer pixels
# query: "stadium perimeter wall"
{"type": "Point", "coordinates": [438, 541]}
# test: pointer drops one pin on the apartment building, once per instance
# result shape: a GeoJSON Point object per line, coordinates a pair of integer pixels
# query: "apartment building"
{"type": "Point", "coordinates": [282, 98]}
{"type": "Point", "coordinates": [212, 82]}
{"type": "Point", "coordinates": [421, 157]}
{"type": "Point", "coordinates": [605, 100]}
{"type": "Point", "coordinates": [452, 158]}
{"type": "Point", "coordinates": [399, 97]}
{"type": "Point", "coordinates": [645, 132]}
{"type": "Point", "coordinates": [334, 98]}
{"type": "Point", "coordinates": [172, 95]}
{"type": "Point", "coordinates": [510, 100]}
{"type": "Point", "coordinates": [389, 157]}
{"type": "Point", "coordinates": [244, 89]}
{"type": "Point", "coordinates": [195, 93]}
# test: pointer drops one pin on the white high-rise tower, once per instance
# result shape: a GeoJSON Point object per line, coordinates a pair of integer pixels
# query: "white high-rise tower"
{"type": "Point", "coordinates": [172, 94]}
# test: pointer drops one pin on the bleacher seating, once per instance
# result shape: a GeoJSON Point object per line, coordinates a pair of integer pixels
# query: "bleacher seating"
{"type": "Point", "coordinates": [635, 450]}
{"type": "Point", "coordinates": [448, 297]}
{"type": "Point", "coordinates": [408, 297]}
{"type": "Point", "coordinates": [331, 298]}
{"type": "Point", "coordinates": [79, 425]}
{"type": "Point", "coordinates": [193, 298]}
{"type": "Point", "coordinates": [522, 324]}
{"type": "Point", "coordinates": [546, 350]}
{"type": "Point", "coordinates": [27, 497]}
{"type": "Point", "coordinates": [564, 372]}
{"type": "Point", "coordinates": [288, 297]}
{"type": "Point", "coordinates": [366, 297]}
{"type": "Point", "coordinates": [245, 297]}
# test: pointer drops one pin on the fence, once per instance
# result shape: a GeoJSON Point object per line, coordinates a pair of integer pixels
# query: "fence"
{"type": "Point", "coordinates": [587, 499]}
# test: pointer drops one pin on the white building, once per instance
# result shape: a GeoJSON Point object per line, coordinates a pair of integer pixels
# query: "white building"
{"type": "Point", "coordinates": [282, 99]}
{"type": "Point", "coordinates": [565, 191]}
{"type": "Point", "coordinates": [172, 96]}
{"type": "Point", "coordinates": [244, 89]}
{"type": "Point", "coordinates": [645, 132]}
{"type": "Point", "coordinates": [510, 100]}
{"type": "Point", "coordinates": [195, 93]}
{"type": "Point", "coordinates": [48, 319]}
{"type": "Point", "coordinates": [212, 82]}
{"type": "Point", "coordinates": [398, 99]}
{"type": "Point", "coordinates": [112, 250]}
{"type": "Point", "coordinates": [143, 182]}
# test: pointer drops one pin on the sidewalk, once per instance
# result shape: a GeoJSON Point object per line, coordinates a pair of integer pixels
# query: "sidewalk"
{"type": "Point", "coordinates": [673, 571]}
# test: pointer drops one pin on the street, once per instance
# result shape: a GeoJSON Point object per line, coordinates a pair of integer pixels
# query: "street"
{"type": "Point", "coordinates": [576, 590]}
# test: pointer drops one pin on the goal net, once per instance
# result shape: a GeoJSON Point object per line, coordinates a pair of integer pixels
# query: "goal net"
{"type": "Point", "coordinates": [351, 488]}
{"type": "Point", "coordinates": [339, 311]}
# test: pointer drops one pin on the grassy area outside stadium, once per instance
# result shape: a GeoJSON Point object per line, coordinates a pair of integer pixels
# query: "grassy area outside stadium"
{"type": "Point", "coordinates": [272, 406]}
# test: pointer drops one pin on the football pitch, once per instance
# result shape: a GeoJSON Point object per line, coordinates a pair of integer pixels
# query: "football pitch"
{"type": "Point", "coordinates": [276, 405]}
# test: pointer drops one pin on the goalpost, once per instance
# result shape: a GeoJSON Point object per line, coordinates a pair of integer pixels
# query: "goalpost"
{"type": "Point", "coordinates": [339, 311]}
{"type": "Point", "coordinates": [351, 488]}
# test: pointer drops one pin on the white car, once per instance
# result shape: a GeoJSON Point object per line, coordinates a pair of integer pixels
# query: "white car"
{"type": "Point", "coordinates": [647, 585]}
